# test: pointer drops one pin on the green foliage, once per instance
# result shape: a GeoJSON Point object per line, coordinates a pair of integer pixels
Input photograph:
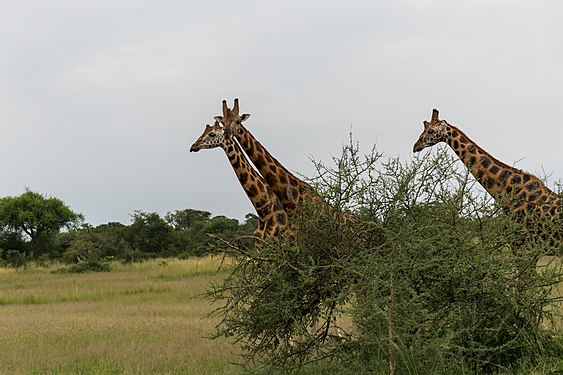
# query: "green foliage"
{"type": "Point", "coordinates": [186, 219]}
{"type": "Point", "coordinates": [195, 239]}
{"type": "Point", "coordinates": [149, 233]}
{"type": "Point", "coordinates": [30, 222]}
{"type": "Point", "coordinates": [106, 241]}
{"type": "Point", "coordinates": [88, 266]}
{"type": "Point", "coordinates": [179, 234]}
{"type": "Point", "coordinates": [444, 288]}
{"type": "Point", "coordinates": [30, 231]}
{"type": "Point", "coordinates": [13, 258]}
{"type": "Point", "coordinates": [431, 275]}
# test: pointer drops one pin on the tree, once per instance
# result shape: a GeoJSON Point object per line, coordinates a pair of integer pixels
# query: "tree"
{"type": "Point", "coordinates": [223, 226]}
{"type": "Point", "coordinates": [36, 218]}
{"type": "Point", "coordinates": [150, 234]}
{"type": "Point", "coordinates": [185, 219]}
{"type": "Point", "coordinates": [250, 223]}
{"type": "Point", "coordinates": [106, 241]}
{"type": "Point", "coordinates": [181, 233]}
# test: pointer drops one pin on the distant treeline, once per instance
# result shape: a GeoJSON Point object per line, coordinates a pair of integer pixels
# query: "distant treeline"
{"type": "Point", "coordinates": [32, 229]}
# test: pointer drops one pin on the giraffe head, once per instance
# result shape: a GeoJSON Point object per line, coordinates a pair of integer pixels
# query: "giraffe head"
{"type": "Point", "coordinates": [231, 118]}
{"type": "Point", "coordinates": [434, 132]}
{"type": "Point", "coordinates": [212, 137]}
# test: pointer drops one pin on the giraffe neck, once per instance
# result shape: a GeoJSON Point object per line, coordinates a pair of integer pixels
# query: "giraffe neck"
{"type": "Point", "coordinates": [520, 190]}
{"type": "Point", "coordinates": [288, 188]}
{"type": "Point", "coordinates": [272, 218]}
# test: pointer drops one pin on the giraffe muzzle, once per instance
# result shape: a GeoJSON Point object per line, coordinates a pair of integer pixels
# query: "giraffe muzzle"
{"type": "Point", "coordinates": [418, 146]}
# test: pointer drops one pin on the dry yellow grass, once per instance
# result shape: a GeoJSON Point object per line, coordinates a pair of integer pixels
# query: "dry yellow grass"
{"type": "Point", "coordinates": [138, 319]}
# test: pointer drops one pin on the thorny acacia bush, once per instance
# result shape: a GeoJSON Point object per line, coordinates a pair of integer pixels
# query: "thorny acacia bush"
{"type": "Point", "coordinates": [429, 275]}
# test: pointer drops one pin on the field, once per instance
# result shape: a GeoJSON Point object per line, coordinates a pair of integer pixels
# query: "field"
{"type": "Point", "coordinates": [143, 318]}
{"type": "Point", "coordinates": [146, 318]}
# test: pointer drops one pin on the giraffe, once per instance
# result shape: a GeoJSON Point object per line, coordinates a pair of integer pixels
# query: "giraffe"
{"type": "Point", "coordinates": [290, 190]}
{"type": "Point", "coordinates": [522, 193]}
{"type": "Point", "coordinates": [272, 219]}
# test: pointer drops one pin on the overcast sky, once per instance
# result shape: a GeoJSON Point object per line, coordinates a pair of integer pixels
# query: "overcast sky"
{"type": "Point", "coordinates": [100, 100]}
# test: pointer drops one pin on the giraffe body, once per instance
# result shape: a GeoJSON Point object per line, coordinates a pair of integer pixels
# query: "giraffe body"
{"type": "Point", "coordinates": [523, 193]}
{"type": "Point", "coordinates": [272, 219]}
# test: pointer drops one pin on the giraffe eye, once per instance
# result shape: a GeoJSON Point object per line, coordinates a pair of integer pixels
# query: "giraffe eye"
{"type": "Point", "coordinates": [212, 135]}
{"type": "Point", "coordinates": [430, 131]}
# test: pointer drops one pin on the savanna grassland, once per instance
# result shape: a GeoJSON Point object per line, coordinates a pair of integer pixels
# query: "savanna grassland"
{"type": "Point", "coordinates": [144, 318]}
{"type": "Point", "coordinates": [141, 318]}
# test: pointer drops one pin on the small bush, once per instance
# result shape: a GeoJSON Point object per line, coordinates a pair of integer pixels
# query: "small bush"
{"type": "Point", "coordinates": [14, 258]}
{"type": "Point", "coordinates": [89, 266]}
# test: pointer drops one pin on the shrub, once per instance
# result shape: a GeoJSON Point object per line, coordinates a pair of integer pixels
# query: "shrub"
{"type": "Point", "coordinates": [14, 258]}
{"type": "Point", "coordinates": [88, 266]}
{"type": "Point", "coordinates": [433, 276]}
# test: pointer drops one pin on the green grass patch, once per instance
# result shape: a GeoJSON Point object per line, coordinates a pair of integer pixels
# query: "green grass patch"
{"type": "Point", "coordinates": [145, 318]}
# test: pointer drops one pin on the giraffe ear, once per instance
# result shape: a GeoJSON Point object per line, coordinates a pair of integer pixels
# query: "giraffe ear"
{"type": "Point", "coordinates": [219, 119]}
{"type": "Point", "coordinates": [244, 117]}
{"type": "Point", "coordinates": [426, 124]}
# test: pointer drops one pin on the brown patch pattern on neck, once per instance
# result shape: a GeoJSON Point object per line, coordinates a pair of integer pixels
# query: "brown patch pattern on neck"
{"type": "Point", "coordinates": [524, 193]}
{"type": "Point", "coordinates": [272, 218]}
